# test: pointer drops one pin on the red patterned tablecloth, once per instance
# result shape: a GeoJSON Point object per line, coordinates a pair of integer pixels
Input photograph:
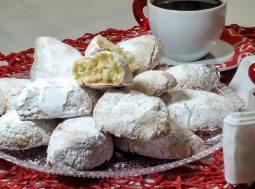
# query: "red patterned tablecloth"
{"type": "Point", "coordinates": [200, 174]}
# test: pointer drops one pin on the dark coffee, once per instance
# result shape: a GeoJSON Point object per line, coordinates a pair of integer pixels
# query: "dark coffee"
{"type": "Point", "coordinates": [188, 5]}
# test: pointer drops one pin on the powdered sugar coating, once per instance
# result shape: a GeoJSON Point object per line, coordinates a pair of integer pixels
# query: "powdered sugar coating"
{"type": "Point", "coordinates": [13, 85]}
{"type": "Point", "coordinates": [77, 144]}
{"type": "Point", "coordinates": [180, 143]}
{"type": "Point", "coordinates": [3, 102]}
{"type": "Point", "coordinates": [10, 88]}
{"type": "Point", "coordinates": [131, 114]}
{"type": "Point", "coordinates": [19, 135]}
{"type": "Point", "coordinates": [55, 98]}
{"type": "Point", "coordinates": [53, 58]}
{"type": "Point", "coordinates": [153, 82]}
{"type": "Point", "coordinates": [195, 76]}
{"type": "Point", "coordinates": [197, 110]}
{"type": "Point", "coordinates": [147, 50]}
{"type": "Point", "coordinates": [94, 46]}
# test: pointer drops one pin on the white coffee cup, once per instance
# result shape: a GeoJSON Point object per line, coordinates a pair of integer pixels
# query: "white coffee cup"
{"type": "Point", "coordinates": [186, 35]}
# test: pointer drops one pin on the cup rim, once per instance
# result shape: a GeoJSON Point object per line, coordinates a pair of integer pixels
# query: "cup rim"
{"type": "Point", "coordinates": [224, 2]}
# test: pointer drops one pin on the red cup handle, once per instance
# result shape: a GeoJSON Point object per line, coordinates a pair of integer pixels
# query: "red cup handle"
{"type": "Point", "coordinates": [138, 6]}
{"type": "Point", "coordinates": [251, 72]}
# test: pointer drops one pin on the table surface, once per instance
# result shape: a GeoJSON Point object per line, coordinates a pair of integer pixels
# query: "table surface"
{"type": "Point", "coordinates": [22, 20]}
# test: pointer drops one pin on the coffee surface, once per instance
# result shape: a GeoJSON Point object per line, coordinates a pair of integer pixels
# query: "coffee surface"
{"type": "Point", "coordinates": [190, 5]}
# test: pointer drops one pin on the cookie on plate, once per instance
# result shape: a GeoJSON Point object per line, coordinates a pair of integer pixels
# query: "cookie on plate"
{"type": "Point", "coordinates": [105, 69]}
{"type": "Point", "coordinates": [3, 102]}
{"type": "Point", "coordinates": [147, 50]}
{"type": "Point", "coordinates": [53, 58]}
{"type": "Point", "coordinates": [100, 43]}
{"type": "Point", "coordinates": [197, 110]}
{"type": "Point", "coordinates": [77, 144]}
{"type": "Point", "coordinates": [20, 135]}
{"type": "Point", "coordinates": [153, 82]}
{"type": "Point", "coordinates": [131, 114]}
{"type": "Point", "coordinates": [195, 76]}
{"type": "Point", "coordinates": [55, 98]}
{"type": "Point", "coordinates": [9, 90]}
{"type": "Point", "coordinates": [180, 143]}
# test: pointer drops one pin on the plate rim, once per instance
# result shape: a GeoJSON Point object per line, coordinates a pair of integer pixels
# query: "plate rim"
{"type": "Point", "coordinates": [116, 173]}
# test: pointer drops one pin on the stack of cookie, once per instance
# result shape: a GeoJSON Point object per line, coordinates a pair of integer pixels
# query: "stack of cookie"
{"type": "Point", "coordinates": [84, 106]}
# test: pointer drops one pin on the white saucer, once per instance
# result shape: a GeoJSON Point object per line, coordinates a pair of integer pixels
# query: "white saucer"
{"type": "Point", "coordinates": [221, 52]}
{"type": "Point", "coordinates": [226, 54]}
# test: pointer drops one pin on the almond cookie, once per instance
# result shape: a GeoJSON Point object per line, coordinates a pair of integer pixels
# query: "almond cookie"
{"type": "Point", "coordinates": [153, 82]}
{"type": "Point", "coordinates": [105, 69]}
{"type": "Point", "coordinates": [195, 76]}
{"type": "Point", "coordinates": [77, 144]}
{"type": "Point", "coordinates": [10, 88]}
{"type": "Point", "coordinates": [197, 110]}
{"type": "Point", "coordinates": [131, 114]}
{"type": "Point", "coordinates": [53, 58]}
{"type": "Point", "coordinates": [100, 43]}
{"type": "Point", "coordinates": [147, 50]}
{"type": "Point", "coordinates": [180, 143]}
{"type": "Point", "coordinates": [20, 135]}
{"type": "Point", "coordinates": [3, 102]}
{"type": "Point", "coordinates": [55, 98]}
